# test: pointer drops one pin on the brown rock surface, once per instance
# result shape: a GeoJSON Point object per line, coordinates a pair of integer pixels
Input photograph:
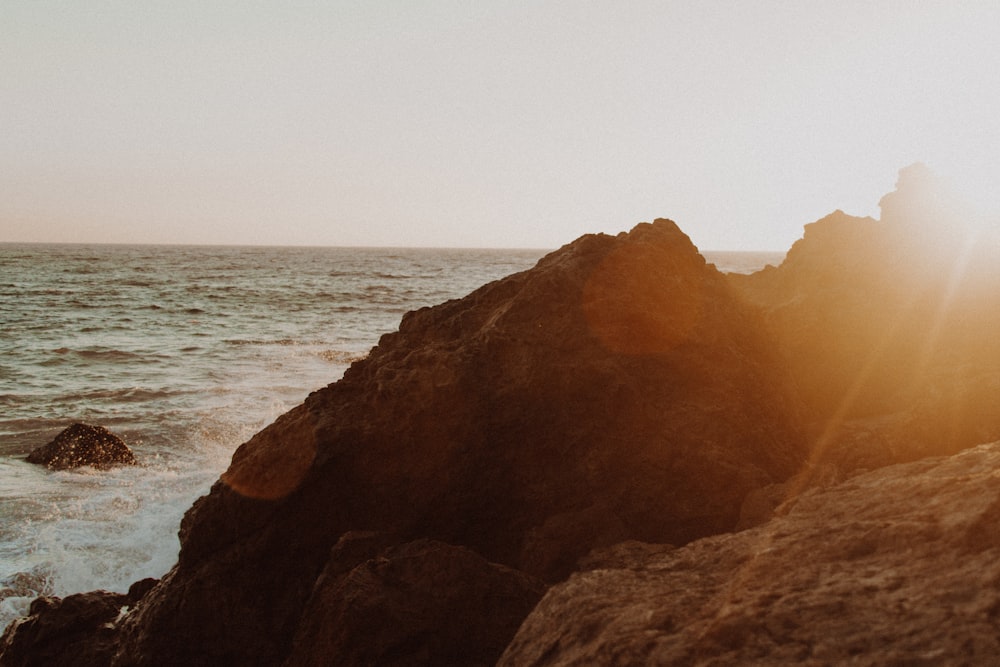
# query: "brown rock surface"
{"type": "Point", "coordinates": [896, 566]}
{"type": "Point", "coordinates": [421, 603]}
{"type": "Point", "coordinates": [83, 445]}
{"type": "Point", "coordinates": [618, 390]}
{"type": "Point", "coordinates": [75, 631]}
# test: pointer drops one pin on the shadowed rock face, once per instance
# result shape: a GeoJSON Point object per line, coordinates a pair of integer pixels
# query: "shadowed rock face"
{"type": "Point", "coordinates": [421, 603]}
{"type": "Point", "coordinates": [75, 631]}
{"type": "Point", "coordinates": [616, 391]}
{"type": "Point", "coordinates": [83, 445]}
{"type": "Point", "coordinates": [897, 566]}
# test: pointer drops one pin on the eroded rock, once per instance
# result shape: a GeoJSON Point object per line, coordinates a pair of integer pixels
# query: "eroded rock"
{"type": "Point", "coordinates": [618, 390]}
{"type": "Point", "coordinates": [897, 566]}
{"type": "Point", "coordinates": [83, 445]}
{"type": "Point", "coordinates": [76, 631]}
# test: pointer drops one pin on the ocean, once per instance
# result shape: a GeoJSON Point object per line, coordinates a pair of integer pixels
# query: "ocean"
{"type": "Point", "coordinates": [185, 352]}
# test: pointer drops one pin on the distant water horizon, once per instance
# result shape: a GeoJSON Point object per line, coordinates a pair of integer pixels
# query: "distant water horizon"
{"type": "Point", "coordinates": [184, 351]}
{"type": "Point", "coordinates": [716, 251]}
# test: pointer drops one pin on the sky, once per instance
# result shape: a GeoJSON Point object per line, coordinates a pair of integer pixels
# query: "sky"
{"type": "Point", "coordinates": [480, 123]}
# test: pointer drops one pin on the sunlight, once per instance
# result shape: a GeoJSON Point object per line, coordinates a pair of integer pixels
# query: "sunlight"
{"type": "Point", "coordinates": [934, 290]}
{"type": "Point", "coordinates": [934, 226]}
{"type": "Point", "coordinates": [980, 189]}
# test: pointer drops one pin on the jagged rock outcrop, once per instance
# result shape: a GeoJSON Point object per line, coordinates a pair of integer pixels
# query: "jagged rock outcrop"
{"type": "Point", "coordinates": [75, 631]}
{"type": "Point", "coordinates": [83, 445]}
{"type": "Point", "coordinates": [888, 327]}
{"type": "Point", "coordinates": [896, 566]}
{"type": "Point", "coordinates": [618, 390]}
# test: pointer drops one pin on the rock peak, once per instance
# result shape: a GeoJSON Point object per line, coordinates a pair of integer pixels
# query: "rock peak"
{"type": "Point", "coordinates": [618, 390]}
{"type": "Point", "coordinates": [925, 201]}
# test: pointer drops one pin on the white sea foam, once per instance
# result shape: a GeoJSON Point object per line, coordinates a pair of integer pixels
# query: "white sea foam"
{"type": "Point", "coordinates": [87, 529]}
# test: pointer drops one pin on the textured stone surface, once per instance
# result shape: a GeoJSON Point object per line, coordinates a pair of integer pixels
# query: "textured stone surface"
{"type": "Point", "coordinates": [420, 603]}
{"type": "Point", "coordinates": [83, 445]}
{"type": "Point", "coordinates": [75, 631]}
{"type": "Point", "coordinates": [618, 390]}
{"type": "Point", "coordinates": [897, 566]}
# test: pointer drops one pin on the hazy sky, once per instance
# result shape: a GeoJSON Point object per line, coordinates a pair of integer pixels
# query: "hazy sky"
{"type": "Point", "coordinates": [475, 123]}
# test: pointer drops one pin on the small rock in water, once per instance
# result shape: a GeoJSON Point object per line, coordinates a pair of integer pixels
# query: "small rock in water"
{"type": "Point", "coordinates": [83, 445]}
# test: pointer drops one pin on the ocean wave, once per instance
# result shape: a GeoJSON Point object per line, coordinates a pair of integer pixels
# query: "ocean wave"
{"type": "Point", "coordinates": [340, 356]}
{"type": "Point", "coordinates": [110, 535]}
{"type": "Point", "coordinates": [100, 354]}
{"type": "Point", "coordinates": [127, 395]}
{"type": "Point", "coordinates": [18, 589]}
{"type": "Point", "coordinates": [20, 436]}
{"type": "Point", "coordinates": [13, 399]}
{"type": "Point", "coordinates": [85, 305]}
{"type": "Point", "coordinates": [258, 341]}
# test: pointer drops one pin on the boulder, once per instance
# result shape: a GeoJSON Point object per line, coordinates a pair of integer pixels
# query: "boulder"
{"type": "Point", "coordinates": [420, 603]}
{"type": "Point", "coordinates": [83, 445]}
{"type": "Point", "coordinates": [618, 390]}
{"type": "Point", "coordinates": [896, 566]}
{"type": "Point", "coordinates": [75, 631]}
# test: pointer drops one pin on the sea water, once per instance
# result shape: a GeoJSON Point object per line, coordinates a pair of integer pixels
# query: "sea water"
{"type": "Point", "coordinates": [185, 352]}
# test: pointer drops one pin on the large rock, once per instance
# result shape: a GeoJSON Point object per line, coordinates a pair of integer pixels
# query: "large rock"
{"type": "Point", "coordinates": [900, 566]}
{"type": "Point", "coordinates": [888, 326]}
{"type": "Point", "coordinates": [618, 390]}
{"type": "Point", "coordinates": [75, 631]}
{"type": "Point", "coordinates": [83, 445]}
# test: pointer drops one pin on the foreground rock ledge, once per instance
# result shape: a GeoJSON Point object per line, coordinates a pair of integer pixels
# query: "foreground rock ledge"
{"type": "Point", "coordinates": [897, 566]}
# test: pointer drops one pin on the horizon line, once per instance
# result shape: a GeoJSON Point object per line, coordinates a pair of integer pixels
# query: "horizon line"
{"type": "Point", "coordinates": [345, 247]}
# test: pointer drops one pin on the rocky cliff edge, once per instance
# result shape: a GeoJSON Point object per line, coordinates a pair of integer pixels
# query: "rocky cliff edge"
{"type": "Point", "coordinates": [618, 390]}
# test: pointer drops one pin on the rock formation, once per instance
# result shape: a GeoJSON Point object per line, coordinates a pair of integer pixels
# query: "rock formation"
{"type": "Point", "coordinates": [75, 631]}
{"type": "Point", "coordinates": [618, 411]}
{"type": "Point", "coordinates": [888, 327]}
{"type": "Point", "coordinates": [897, 566]}
{"type": "Point", "coordinates": [618, 390]}
{"type": "Point", "coordinates": [83, 445]}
